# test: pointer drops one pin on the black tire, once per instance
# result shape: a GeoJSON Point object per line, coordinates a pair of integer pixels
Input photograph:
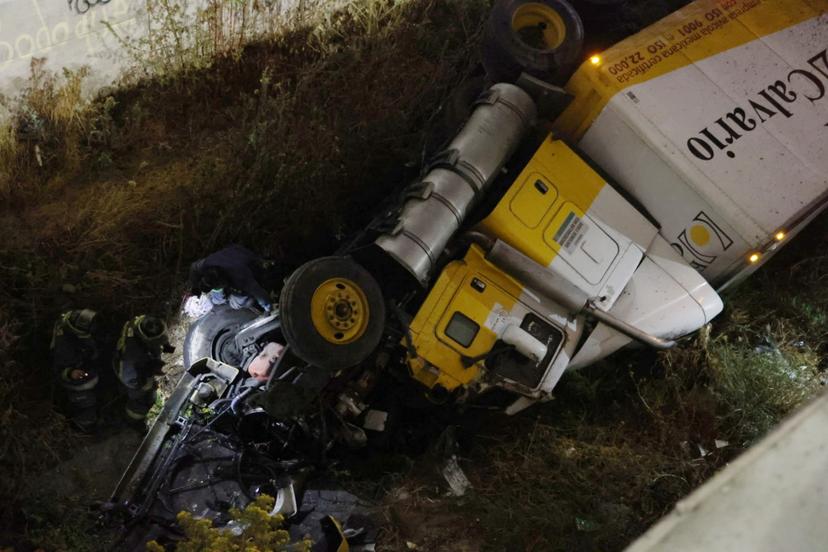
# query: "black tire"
{"type": "Point", "coordinates": [507, 52]}
{"type": "Point", "coordinates": [298, 326]}
{"type": "Point", "coordinates": [213, 334]}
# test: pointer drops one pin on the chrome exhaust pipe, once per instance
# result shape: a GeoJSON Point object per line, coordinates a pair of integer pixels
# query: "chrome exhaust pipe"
{"type": "Point", "coordinates": [558, 289]}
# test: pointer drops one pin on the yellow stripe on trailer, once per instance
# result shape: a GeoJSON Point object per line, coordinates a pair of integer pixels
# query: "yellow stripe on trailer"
{"type": "Point", "coordinates": [701, 29]}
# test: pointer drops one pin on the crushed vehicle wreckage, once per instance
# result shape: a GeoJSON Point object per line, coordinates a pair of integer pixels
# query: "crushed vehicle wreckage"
{"type": "Point", "coordinates": [513, 258]}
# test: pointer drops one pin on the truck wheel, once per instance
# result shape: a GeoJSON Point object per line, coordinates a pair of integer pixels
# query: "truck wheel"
{"type": "Point", "coordinates": [540, 37]}
{"type": "Point", "coordinates": [213, 335]}
{"type": "Point", "coordinates": [333, 312]}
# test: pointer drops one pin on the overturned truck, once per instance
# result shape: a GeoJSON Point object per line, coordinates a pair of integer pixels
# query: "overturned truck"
{"type": "Point", "coordinates": [558, 225]}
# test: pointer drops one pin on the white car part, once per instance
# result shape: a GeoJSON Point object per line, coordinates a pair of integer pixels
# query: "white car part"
{"type": "Point", "coordinates": [286, 503]}
{"type": "Point", "coordinates": [524, 343]}
{"type": "Point", "coordinates": [665, 297]}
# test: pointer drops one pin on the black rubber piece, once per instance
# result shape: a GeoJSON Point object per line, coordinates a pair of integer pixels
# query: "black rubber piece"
{"type": "Point", "coordinates": [460, 103]}
{"type": "Point", "coordinates": [212, 336]}
{"type": "Point", "coordinates": [505, 55]}
{"type": "Point", "coordinates": [297, 325]}
{"type": "Point", "coordinates": [455, 111]}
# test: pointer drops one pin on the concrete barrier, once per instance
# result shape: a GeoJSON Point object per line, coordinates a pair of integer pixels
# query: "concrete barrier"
{"type": "Point", "coordinates": [773, 498]}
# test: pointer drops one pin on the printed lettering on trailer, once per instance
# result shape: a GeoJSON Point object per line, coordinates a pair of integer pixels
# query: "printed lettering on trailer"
{"type": "Point", "coordinates": [638, 64]}
{"type": "Point", "coordinates": [807, 83]}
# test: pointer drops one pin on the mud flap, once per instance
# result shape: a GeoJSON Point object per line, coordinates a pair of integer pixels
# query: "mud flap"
{"type": "Point", "coordinates": [334, 535]}
{"type": "Point", "coordinates": [335, 520]}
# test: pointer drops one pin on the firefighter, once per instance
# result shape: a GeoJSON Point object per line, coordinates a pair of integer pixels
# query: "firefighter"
{"type": "Point", "coordinates": [75, 364]}
{"type": "Point", "coordinates": [234, 271]}
{"type": "Point", "coordinates": [137, 360]}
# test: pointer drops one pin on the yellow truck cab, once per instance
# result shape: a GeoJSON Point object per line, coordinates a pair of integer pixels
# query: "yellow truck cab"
{"type": "Point", "coordinates": [687, 155]}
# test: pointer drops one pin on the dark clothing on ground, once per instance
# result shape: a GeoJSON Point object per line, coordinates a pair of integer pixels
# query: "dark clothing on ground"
{"type": "Point", "coordinates": [240, 269]}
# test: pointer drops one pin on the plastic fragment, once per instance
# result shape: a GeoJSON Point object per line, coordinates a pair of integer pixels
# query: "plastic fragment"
{"type": "Point", "coordinates": [585, 525]}
{"type": "Point", "coordinates": [454, 476]}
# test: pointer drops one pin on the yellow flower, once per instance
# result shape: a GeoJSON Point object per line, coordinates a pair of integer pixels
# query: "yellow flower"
{"type": "Point", "coordinates": [260, 532]}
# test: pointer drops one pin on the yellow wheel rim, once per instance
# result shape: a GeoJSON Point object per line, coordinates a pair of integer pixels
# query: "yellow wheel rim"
{"type": "Point", "coordinates": [539, 26]}
{"type": "Point", "coordinates": [339, 311]}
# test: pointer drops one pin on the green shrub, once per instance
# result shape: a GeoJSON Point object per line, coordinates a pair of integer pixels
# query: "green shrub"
{"type": "Point", "coordinates": [755, 389]}
{"type": "Point", "coordinates": [258, 531]}
{"type": "Point", "coordinates": [51, 133]}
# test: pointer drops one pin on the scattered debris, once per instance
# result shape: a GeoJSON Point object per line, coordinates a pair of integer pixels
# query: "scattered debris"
{"type": "Point", "coordinates": [767, 346]}
{"type": "Point", "coordinates": [375, 420]}
{"type": "Point", "coordinates": [457, 480]}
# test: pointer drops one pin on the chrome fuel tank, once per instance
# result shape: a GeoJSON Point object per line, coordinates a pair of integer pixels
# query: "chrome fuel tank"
{"type": "Point", "coordinates": [435, 208]}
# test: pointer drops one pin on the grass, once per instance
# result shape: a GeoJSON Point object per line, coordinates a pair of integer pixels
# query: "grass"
{"type": "Point", "coordinates": [32, 435]}
{"type": "Point", "coordinates": [222, 155]}
{"type": "Point", "coordinates": [67, 524]}
{"type": "Point", "coordinates": [50, 133]}
{"type": "Point", "coordinates": [284, 141]}
{"type": "Point", "coordinates": [617, 448]}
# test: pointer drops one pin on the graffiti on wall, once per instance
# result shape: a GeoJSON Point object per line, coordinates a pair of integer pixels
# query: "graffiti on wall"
{"type": "Point", "coordinates": [83, 6]}
{"type": "Point", "coordinates": [44, 29]}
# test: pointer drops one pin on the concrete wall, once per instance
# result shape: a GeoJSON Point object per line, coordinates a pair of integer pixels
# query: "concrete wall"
{"type": "Point", "coordinates": [77, 33]}
{"type": "Point", "coordinates": [68, 33]}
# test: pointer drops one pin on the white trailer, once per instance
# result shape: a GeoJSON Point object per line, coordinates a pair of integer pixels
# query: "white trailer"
{"type": "Point", "coordinates": [715, 121]}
